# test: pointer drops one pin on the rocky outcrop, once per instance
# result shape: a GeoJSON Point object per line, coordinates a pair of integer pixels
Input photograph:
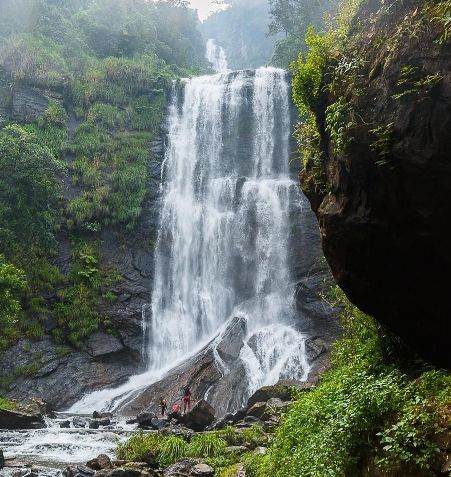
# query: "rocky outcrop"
{"type": "Point", "coordinates": [384, 217]}
{"type": "Point", "coordinates": [10, 419]}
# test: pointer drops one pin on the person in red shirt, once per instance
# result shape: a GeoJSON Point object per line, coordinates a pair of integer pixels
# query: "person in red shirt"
{"type": "Point", "coordinates": [186, 400]}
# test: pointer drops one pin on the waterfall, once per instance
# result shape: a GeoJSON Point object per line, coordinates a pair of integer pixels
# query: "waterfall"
{"type": "Point", "coordinates": [222, 250]}
{"type": "Point", "coordinates": [216, 56]}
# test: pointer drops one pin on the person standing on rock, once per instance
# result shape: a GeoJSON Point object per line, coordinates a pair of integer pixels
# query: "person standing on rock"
{"type": "Point", "coordinates": [163, 406]}
{"type": "Point", "coordinates": [186, 400]}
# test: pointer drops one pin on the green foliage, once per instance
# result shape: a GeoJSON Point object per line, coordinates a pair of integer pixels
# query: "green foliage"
{"type": "Point", "coordinates": [412, 81]}
{"type": "Point", "coordinates": [255, 436]}
{"type": "Point", "coordinates": [293, 18]}
{"type": "Point", "coordinates": [36, 59]}
{"type": "Point", "coordinates": [440, 12]}
{"type": "Point", "coordinates": [308, 73]}
{"type": "Point", "coordinates": [6, 404]}
{"type": "Point", "coordinates": [167, 449]}
{"type": "Point", "coordinates": [28, 183]}
{"type": "Point", "coordinates": [12, 284]}
{"type": "Point", "coordinates": [364, 406]}
{"type": "Point", "coordinates": [382, 144]}
{"type": "Point", "coordinates": [207, 445]}
{"type": "Point", "coordinates": [171, 450]}
{"type": "Point", "coordinates": [338, 124]}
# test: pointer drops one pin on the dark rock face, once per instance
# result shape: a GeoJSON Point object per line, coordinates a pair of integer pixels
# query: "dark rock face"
{"type": "Point", "coordinates": [20, 420]}
{"type": "Point", "coordinates": [200, 416]}
{"type": "Point", "coordinates": [385, 228]}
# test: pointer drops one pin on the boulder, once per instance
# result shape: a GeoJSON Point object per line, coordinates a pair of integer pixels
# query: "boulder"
{"type": "Point", "coordinates": [103, 422]}
{"type": "Point", "coordinates": [258, 410]}
{"type": "Point", "coordinates": [261, 450]}
{"type": "Point", "coordinates": [200, 416]}
{"type": "Point", "coordinates": [181, 468]}
{"type": "Point", "coordinates": [202, 470]}
{"type": "Point", "coordinates": [78, 471]}
{"type": "Point", "coordinates": [151, 460]}
{"type": "Point", "coordinates": [236, 450]}
{"type": "Point", "coordinates": [144, 419]}
{"type": "Point", "coordinates": [99, 463]}
{"type": "Point", "coordinates": [93, 424]}
{"type": "Point", "coordinates": [267, 392]}
{"type": "Point", "coordinates": [158, 424]}
{"type": "Point", "coordinates": [79, 422]}
{"type": "Point", "coordinates": [65, 424]}
{"type": "Point", "coordinates": [102, 344]}
{"type": "Point", "coordinates": [10, 419]}
{"type": "Point", "coordinates": [179, 431]}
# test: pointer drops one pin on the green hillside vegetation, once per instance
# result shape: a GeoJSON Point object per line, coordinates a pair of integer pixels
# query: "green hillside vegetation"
{"type": "Point", "coordinates": [114, 63]}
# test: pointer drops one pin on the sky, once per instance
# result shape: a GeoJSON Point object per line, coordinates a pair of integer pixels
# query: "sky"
{"type": "Point", "coordinates": [205, 7]}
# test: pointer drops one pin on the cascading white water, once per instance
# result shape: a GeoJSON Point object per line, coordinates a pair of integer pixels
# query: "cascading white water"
{"type": "Point", "coordinates": [216, 56]}
{"type": "Point", "coordinates": [223, 243]}
{"type": "Point", "coordinates": [224, 232]}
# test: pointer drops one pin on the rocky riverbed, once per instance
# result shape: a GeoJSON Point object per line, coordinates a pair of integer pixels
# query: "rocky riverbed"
{"type": "Point", "coordinates": [66, 445]}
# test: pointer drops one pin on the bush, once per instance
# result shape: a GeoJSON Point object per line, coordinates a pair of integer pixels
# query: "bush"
{"type": "Point", "coordinates": [207, 445]}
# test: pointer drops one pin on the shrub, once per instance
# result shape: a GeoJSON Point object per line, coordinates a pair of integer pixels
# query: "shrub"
{"type": "Point", "coordinates": [207, 445]}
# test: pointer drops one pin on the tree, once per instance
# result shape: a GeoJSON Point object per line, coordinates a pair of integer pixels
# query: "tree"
{"type": "Point", "coordinates": [293, 17]}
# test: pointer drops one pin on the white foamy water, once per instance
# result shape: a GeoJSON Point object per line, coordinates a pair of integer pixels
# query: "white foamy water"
{"type": "Point", "coordinates": [54, 448]}
{"type": "Point", "coordinates": [216, 56]}
{"type": "Point", "coordinates": [224, 233]}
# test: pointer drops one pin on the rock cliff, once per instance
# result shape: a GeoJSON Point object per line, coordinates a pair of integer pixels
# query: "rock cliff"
{"type": "Point", "coordinates": [58, 374]}
{"type": "Point", "coordinates": [384, 213]}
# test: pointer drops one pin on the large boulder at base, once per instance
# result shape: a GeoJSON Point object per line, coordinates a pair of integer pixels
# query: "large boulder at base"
{"type": "Point", "coordinates": [200, 416]}
{"type": "Point", "coordinates": [265, 410]}
{"type": "Point", "coordinates": [181, 468]}
{"type": "Point", "coordinates": [265, 393]}
{"type": "Point", "coordinates": [19, 420]}
{"type": "Point", "coordinates": [145, 419]}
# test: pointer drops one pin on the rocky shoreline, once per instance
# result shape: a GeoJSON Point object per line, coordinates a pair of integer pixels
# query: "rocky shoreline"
{"type": "Point", "coordinates": [263, 411]}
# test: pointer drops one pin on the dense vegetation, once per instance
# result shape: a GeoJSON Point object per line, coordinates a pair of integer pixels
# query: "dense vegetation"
{"type": "Point", "coordinates": [82, 165]}
{"type": "Point", "coordinates": [292, 18]}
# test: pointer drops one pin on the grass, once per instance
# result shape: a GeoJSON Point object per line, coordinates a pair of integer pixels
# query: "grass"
{"type": "Point", "coordinates": [7, 404]}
